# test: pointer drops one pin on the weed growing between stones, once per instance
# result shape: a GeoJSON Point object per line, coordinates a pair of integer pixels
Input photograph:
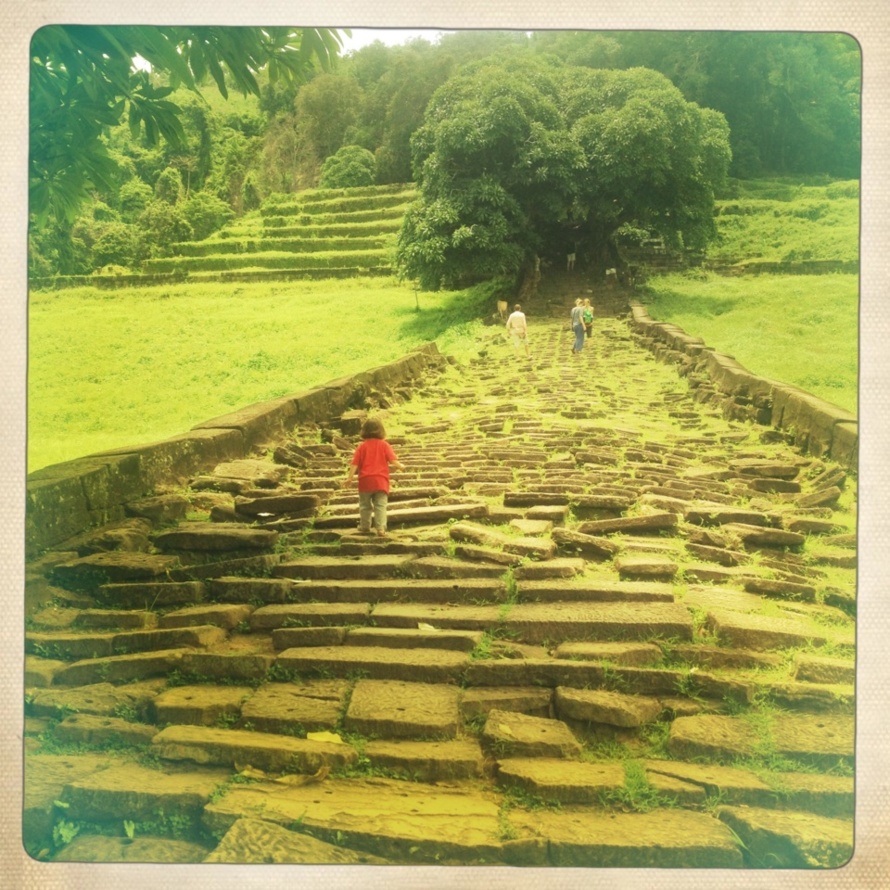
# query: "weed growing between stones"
{"type": "Point", "coordinates": [637, 795]}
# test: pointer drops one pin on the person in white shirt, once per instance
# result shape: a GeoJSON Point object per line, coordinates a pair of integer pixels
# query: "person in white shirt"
{"type": "Point", "coordinates": [517, 328]}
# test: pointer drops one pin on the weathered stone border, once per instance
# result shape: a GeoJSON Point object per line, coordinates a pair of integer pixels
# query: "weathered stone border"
{"type": "Point", "coordinates": [66, 499]}
{"type": "Point", "coordinates": [816, 426]}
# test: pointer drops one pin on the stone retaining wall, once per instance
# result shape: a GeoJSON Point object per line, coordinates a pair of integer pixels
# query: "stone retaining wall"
{"type": "Point", "coordinates": [816, 426]}
{"type": "Point", "coordinates": [66, 499]}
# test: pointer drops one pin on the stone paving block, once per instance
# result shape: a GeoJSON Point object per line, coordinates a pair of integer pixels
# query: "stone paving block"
{"type": "Point", "coordinates": [262, 842]}
{"type": "Point", "coordinates": [598, 590]}
{"type": "Point", "coordinates": [228, 666]}
{"type": "Point", "coordinates": [437, 761]}
{"type": "Point", "coordinates": [139, 793]}
{"type": "Point", "coordinates": [603, 706]}
{"type": "Point", "coordinates": [714, 737]}
{"type": "Point", "coordinates": [559, 567]}
{"type": "Point", "coordinates": [249, 590]}
{"type": "Point", "coordinates": [762, 632]}
{"type": "Point", "coordinates": [614, 653]}
{"type": "Point", "coordinates": [420, 638]}
{"type": "Point", "coordinates": [557, 779]}
{"type": "Point", "coordinates": [138, 851]}
{"type": "Point", "coordinates": [225, 616]}
{"type": "Point", "coordinates": [534, 701]}
{"type": "Point", "coordinates": [522, 545]}
{"type": "Point", "coordinates": [147, 596]}
{"type": "Point", "coordinates": [268, 618]}
{"type": "Point", "coordinates": [240, 748]}
{"type": "Point", "coordinates": [90, 572]}
{"type": "Point", "coordinates": [789, 839]}
{"type": "Point", "coordinates": [90, 729]}
{"type": "Point", "coordinates": [393, 709]}
{"type": "Point", "coordinates": [117, 619]}
{"type": "Point", "coordinates": [586, 838]}
{"type": "Point", "coordinates": [421, 665]}
{"type": "Point", "coordinates": [291, 637]}
{"type": "Point", "coordinates": [512, 734]}
{"type": "Point", "coordinates": [120, 668]}
{"type": "Point", "coordinates": [822, 669]}
{"type": "Point", "coordinates": [403, 822]}
{"type": "Point", "coordinates": [214, 536]}
{"type": "Point", "coordinates": [343, 569]}
{"type": "Point", "coordinates": [200, 705]}
{"type": "Point", "coordinates": [295, 708]}
{"type": "Point", "coordinates": [196, 637]}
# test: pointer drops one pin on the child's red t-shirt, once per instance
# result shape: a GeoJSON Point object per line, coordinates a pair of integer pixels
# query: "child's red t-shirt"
{"type": "Point", "coordinates": [373, 458]}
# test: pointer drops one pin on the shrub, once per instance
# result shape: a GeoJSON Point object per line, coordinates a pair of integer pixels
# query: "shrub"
{"type": "Point", "coordinates": [206, 213]}
{"type": "Point", "coordinates": [350, 167]}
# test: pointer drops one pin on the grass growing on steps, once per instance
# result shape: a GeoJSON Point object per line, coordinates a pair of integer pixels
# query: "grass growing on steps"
{"type": "Point", "coordinates": [111, 369]}
{"type": "Point", "coordinates": [797, 329]}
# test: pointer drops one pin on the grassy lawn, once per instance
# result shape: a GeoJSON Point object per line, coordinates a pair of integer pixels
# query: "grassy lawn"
{"type": "Point", "coordinates": [799, 329]}
{"type": "Point", "coordinates": [109, 369]}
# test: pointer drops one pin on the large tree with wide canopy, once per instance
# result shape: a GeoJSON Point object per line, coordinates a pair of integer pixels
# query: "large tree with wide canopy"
{"type": "Point", "coordinates": [519, 155]}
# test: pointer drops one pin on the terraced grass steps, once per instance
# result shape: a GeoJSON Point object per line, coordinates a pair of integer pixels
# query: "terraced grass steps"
{"type": "Point", "coordinates": [607, 626]}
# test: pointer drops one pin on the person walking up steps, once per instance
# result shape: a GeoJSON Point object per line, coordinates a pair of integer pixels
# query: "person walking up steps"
{"type": "Point", "coordinates": [578, 326]}
{"type": "Point", "coordinates": [372, 460]}
{"type": "Point", "coordinates": [587, 317]}
{"type": "Point", "coordinates": [517, 328]}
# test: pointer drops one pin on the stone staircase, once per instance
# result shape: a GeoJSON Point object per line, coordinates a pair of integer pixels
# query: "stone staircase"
{"type": "Point", "coordinates": [607, 628]}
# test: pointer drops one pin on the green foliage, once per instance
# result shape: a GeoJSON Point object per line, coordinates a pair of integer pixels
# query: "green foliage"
{"type": "Point", "coordinates": [83, 81]}
{"type": "Point", "coordinates": [168, 187]}
{"type": "Point", "coordinates": [350, 167]}
{"type": "Point", "coordinates": [519, 156]}
{"type": "Point", "coordinates": [206, 214]}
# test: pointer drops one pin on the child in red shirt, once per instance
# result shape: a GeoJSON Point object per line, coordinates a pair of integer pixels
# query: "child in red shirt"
{"type": "Point", "coordinates": [372, 460]}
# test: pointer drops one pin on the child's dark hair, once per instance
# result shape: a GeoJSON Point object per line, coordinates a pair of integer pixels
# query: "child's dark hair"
{"type": "Point", "coordinates": [372, 428]}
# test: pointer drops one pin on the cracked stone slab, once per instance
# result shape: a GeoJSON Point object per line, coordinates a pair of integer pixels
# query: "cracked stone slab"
{"type": "Point", "coordinates": [258, 841]}
{"type": "Point", "coordinates": [469, 533]}
{"type": "Point", "coordinates": [215, 536]}
{"type": "Point", "coordinates": [532, 700]}
{"type": "Point", "coordinates": [777, 839]}
{"type": "Point", "coordinates": [225, 616]}
{"type": "Point", "coordinates": [403, 822]}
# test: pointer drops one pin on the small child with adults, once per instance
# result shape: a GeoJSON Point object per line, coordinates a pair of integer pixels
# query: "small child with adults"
{"type": "Point", "coordinates": [372, 460]}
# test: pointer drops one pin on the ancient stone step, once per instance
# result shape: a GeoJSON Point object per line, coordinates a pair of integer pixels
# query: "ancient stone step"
{"type": "Point", "coordinates": [510, 734]}
{"type": "Point", "coordinates": [560, 780]}
{"type": "Point", "coordinates": [295, 708]}
{"type": "Point", "coordinates": [120, 668]}
{"type": "Point", "coordinates": [350, 568]}
{"type": "Point", "coordinates": [603, 706]}
{"type": "Point", "coordinates": [586, 838]}
{"type": "Point", "coordinates": [239, 748]}
{"type": "Point", "coordinates": [90, 572]}
{"type": "Point", "coordinates": [147, 596]}
{"type": "Point", "coordinates": [421, 665]}
{"type": "Point", "coordinates": [138, 793]}
{"type": "Point", "coordinates": [614, 653]}
{"type": "Point", "coordinates": [596, 590]}
{"type": "Point", "coordinates": [476, 702]}
{"type": "Point", "coordinates": [260, 841]}
{"type": "Point", "coordinates": [403, 710]}
{"type": "Point", "coordinates": [486, 590]}
{"type": "Point", "coordinates": [396, 517]}
{"type": "Point", "coordinates": [486, 537]}
{"type": "Point", "coordinates": [760, 632]}
{"type": "Point", "coordinates": [643, 524]}
{"type": "Point", "coordinates": [202, 705]}
{"type": "Point", "coordinates": [214, 537]}
{"type": "Point", "coordinates": [269, 618]}
{"type": "Point", "coordinates": [803, 738]}
{"type": "Point", "coordinates": [788, 839]}
{"type": "Point", "coordinates": [405, 638]}
{"type": "Point", "coordinates": [96, 731]}
{"type": "Point", "coordinates": [402, 822]}
{"type": "Point", "coordinates": [426, 761]}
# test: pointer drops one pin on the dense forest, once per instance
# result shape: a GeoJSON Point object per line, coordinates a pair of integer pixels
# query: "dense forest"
{"type": "Point", "coordinates": [191, 154]}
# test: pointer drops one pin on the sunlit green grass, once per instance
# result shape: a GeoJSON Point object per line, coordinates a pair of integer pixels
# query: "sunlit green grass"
{"type": "Point", "coordinates": [798, 329]}
{"type": "Point", "coordinates": [109, 369]}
